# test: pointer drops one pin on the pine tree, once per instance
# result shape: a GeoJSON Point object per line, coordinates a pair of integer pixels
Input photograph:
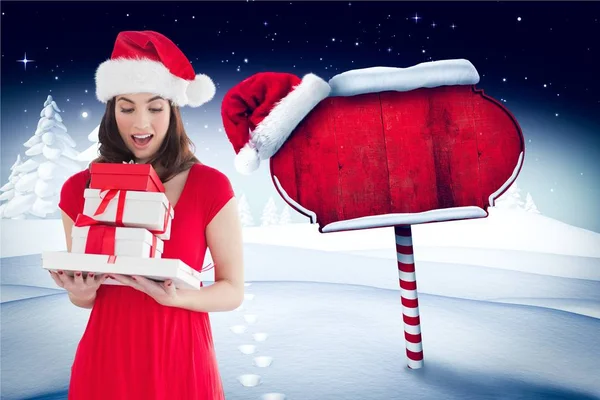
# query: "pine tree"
{"type": "Point", "coordinates": [245, 212]}
{"type": "Point", "coordinates": [8, 190]}
{"type": "Point", "coordinates": [530, 205]}
{"type": "Point", "coordinates": [511, 199]}
{"type": "Point", "coordinates": [285, 217]}
{"type": "Point", "coordinates": [269, 215]}
{"type": "Point", "coordinates": [40, 178]}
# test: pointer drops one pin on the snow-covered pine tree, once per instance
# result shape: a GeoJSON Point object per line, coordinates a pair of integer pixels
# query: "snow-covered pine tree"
{"type": "Point", "coordinates": [8, 190]}
{"type": "Point", "coordinates": [269, 215]}
{"type": "Point", "coordinates": [52, 160]}
{"type": "Point", "coordinates": [285, 217]}
{"type": "Point", "coordinates": [92, 152]}
{"type": "Point", "coordinates": [511, 199]}
{"type": "Point", "coordinates": [530, 205]}
{"type": "Point", "coordinates": [245, 212]}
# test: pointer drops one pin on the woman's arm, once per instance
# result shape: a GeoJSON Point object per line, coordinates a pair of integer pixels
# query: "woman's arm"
{"type": "Point", "coordinates": [83, 302]}
{"type": "Point", "coordinates": [224, 240]}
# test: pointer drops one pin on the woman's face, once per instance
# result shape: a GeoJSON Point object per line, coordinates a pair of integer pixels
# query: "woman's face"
{"type": "Point", "coordinates": [143, 120]}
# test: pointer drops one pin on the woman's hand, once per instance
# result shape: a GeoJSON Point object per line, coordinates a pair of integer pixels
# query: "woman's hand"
{"type": "Point", "coordinates": [164, 293]}
{"type": "Point", "coordinates": [80, 287]}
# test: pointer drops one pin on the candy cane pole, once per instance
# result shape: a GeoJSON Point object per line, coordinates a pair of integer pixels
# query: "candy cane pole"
{"type": "Point", "coordinates": [408, 291]}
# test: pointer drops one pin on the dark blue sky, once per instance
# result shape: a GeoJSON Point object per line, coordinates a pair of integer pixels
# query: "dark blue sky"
{"type": "Point", "coordinates": [539, 58]}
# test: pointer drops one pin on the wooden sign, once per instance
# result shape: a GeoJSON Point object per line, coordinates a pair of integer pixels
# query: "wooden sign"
{"type": "Point", "coordinates": [399, 158]}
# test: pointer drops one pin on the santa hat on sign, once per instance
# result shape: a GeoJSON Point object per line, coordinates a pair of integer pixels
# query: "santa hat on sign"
{"type": "Point", "coordinates": [148, 62]}
{"type": "Point", "coordinates": [261, 112]}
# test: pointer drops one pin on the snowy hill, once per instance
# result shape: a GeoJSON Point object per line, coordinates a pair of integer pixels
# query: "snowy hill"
{"type": "Point", "coordinates": [91, 152]}
{"type": "Point", "coordinates": [510, 308]}
{"type": "Point", "coordinates": [502, 229]}
{"type": "Point", "coordinates": [27, 237]}
{"type": "Point", "coordinates": [514, 230]}
{"type": "Point", "coordinates": [343, 342]}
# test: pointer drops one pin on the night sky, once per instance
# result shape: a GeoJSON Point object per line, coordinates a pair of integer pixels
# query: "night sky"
{"type": "Point", "coordinates": [539, 58]}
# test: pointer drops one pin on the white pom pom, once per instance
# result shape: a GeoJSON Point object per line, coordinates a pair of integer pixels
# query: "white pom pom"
{"type": "Point", "coordinates": [201, 90]}
{"type": "Point", "coordinates": [247, 160]}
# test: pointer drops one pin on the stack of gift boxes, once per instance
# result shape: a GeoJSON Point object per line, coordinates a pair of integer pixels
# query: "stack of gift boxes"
{"type": "Point", "coordinates": [125, 221]}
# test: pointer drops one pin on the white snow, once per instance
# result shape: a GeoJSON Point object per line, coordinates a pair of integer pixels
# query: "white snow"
{"type": "Point", "coordinates": [245, 212]}
{"type": "Point", "coordinates": [7, 192]}
{"type": "Point", "coordinates": [19, 292]}
{"type": "Point", "coordinates": [489, 329]}
{"type": "Point", "coordinates": [93, 135]}
{"type": "Point", "coordinates": [35, 149]}
{"type": "Point", "coordinates": [285, 217]}
{"type": "Point", "coordinates": [379, 221]}
{"type": "Point", "coordinates": [33, 141]}
{"type": "Point", "coordinates": [263, 361]}
{"type": "Point", "coordinates": [28, 166]}
{"type": "Point", "coordinates": [334, 341]}
{"type": "Point", "coordinates": [18, 205]}
{"type": "Point", "coordinates": [425, 75]}
{"type": "Point", "coordinates": [28, 237]}
{"type": "Point", "coordinates": [91, 152]}
{"type": "Point", "coordinates": [502, 229]}
{"type": "Point", "coordinates": [269, 214]}
{"type": "Point", "coordinates": [27, 182]}
{"type": "Point", "coordinates": [530, 204]}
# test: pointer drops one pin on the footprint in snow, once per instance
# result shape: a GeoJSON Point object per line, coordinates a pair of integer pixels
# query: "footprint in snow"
{"type": "Point", "coordinates": [238, 329]}
{"type": "Point", "coordinates": [263, 361]}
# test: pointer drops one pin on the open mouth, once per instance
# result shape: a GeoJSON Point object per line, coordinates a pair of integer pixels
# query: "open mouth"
{"type": "Point", "coordinates": [142, 140]}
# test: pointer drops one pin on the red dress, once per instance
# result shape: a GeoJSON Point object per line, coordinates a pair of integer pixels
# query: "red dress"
{"type": "Point", "coordinates": [134, 348]}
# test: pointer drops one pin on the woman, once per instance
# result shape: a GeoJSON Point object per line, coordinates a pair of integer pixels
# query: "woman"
{"type": "Point", "coordinates": [148, 340]}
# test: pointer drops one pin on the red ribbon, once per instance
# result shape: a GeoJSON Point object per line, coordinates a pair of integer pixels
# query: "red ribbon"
{"type": "Point", "coordinates": [165, 223]}
{"type": "Point", "coordinates": [100, 237]}
{"type": "Point", "coordinates": [153, 247]}
{"type": "Point", "coordinates": [207, 267]}
{"type": "Point", "coordinates": [110, 194]}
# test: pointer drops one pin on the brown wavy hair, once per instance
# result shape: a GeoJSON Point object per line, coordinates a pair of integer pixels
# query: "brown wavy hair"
{"type": "Point", "coordinates": [176, 153]}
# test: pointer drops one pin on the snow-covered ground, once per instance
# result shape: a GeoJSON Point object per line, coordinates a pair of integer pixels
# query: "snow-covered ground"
{"type": "Point", "coordinates": [503, 229]}
{"type": "Point", "coordinates": [510, 309]}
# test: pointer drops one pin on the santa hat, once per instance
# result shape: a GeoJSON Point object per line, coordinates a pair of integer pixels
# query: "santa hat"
{"type": "Point", "coordinates": [148, 62]}
{"type": "Point", "coordinates": [261, 112]}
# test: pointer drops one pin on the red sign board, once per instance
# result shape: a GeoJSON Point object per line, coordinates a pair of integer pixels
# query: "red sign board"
{"type": "Point", "coordinates": [399, 157]}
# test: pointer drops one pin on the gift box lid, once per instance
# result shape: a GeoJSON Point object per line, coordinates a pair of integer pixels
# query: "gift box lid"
{"type": "Point", "coordinates": [124, 233]}
{"type": "Point", "coordinates": [134, 195]}
{"type": "Point", "coordinates": [152, 268]}
{"type": "Point", "coordinates": [124, 169]}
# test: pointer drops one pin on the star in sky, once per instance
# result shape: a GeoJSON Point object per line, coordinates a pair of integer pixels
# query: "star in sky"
{"type": "Point", "coordinates": [25, 61]}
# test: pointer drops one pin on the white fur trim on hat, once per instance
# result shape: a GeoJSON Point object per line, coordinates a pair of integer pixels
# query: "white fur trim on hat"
{"type": "Point", "coordinates": [247, 160]}
{"type": "Point", "coordinates": [201, 90]}
{"type": "Point", "coordinates": [121, 76]}
{"type": "Point", "coordinates": [272, 132]}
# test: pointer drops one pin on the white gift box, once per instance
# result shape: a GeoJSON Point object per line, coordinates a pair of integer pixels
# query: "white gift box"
{"type": "Point", "coordinates": [132, 242]}
{"type": "Point", "coordinates": [159, 269]}
{"type": "Point", "coordinates": [142, 210]}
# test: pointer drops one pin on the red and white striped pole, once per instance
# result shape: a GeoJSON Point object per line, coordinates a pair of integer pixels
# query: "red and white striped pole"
{"type": "Point", "coordinates": [408, 291]}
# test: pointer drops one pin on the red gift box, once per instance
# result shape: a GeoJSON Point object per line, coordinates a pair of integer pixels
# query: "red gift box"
{"type": "Point", "coordinates": [134, 177]}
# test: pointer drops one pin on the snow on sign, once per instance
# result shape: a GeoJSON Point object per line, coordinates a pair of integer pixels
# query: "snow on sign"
{"type": "Point", "coordinates": [385, 147]}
